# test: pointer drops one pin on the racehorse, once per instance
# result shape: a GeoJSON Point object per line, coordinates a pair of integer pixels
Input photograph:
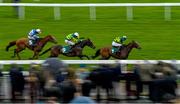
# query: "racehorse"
{"type": "Point", "coordinates": [23, 43]}
{"type": "Point", "coordinates": [76, 50]}
{"type": "Point", "coordinates": [106, 53]}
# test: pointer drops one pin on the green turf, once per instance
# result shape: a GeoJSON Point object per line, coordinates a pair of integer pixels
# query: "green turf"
{"type": "Point", "coordinates": [159, 39]}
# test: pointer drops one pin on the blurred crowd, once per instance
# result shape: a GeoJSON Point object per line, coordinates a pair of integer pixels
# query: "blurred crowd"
{"type": "Point", "coordinates": [56, 82]}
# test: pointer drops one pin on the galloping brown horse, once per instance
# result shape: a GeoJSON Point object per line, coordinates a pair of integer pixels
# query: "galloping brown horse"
{"type": "Point", "coordinates": [75, 51]}
{"type": "Point", "coordinates": [106, 53]}
{"type": "Point", "coordinates": [23, 43]}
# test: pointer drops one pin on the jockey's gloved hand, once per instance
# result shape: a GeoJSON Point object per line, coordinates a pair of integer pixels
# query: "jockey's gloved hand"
{"type": "Point", "coordinates": [78, 41]}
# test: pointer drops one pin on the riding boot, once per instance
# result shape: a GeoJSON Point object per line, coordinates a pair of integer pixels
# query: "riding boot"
{"type": "Point", "coordinates": [119, 48]}
{"type": "Point", "coordinates": [70, 48]}
{"type": "Point", "coordinates": [34, 45]}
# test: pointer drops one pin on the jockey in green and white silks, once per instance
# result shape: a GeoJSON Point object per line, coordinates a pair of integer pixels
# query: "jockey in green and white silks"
{"type": "Point", "coordinates": [71, 40]}
{"type": "Point", "coordinates": [117, 43]}
{"type": "Point", "coordinates": [33, 36]}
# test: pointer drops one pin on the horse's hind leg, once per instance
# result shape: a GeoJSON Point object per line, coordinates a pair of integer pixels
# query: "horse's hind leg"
{"type": "Point", "coordinates": [54, 54]}
{"type": "Point", "coordinates": [81, 57]}
{"type": "Point", "coordinates": [107, 58]}
{"type": "Point", "coordinates": [14, 54]}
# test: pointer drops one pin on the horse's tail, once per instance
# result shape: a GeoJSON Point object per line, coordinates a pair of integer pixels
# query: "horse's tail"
{"type": "Point", "coordinates": [45, 51]}
{"type": "Point", "coordinates": [96, 54]}
{"type": "Point", "coordinates": [10, 45]}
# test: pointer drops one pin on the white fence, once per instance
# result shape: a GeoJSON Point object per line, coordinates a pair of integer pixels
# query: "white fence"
{"type": "Point", "coordinates": [7, 62]}
{"type": "Point", "coordinates": [92, 10]}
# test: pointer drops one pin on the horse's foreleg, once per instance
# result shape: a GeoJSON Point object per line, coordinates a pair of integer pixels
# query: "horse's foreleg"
{"type": "Point", "coordinates": [96, 54]}
{"type": "Point", "coordinates": [35, 56]}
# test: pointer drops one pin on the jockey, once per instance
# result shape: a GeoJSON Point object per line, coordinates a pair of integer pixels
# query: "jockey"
{"type": "Point", "coordinates": [71, 40]}
{"type": "Point", "coordinates": [117, 43]}
{"type": "Point", "coordinates": [33, 36]}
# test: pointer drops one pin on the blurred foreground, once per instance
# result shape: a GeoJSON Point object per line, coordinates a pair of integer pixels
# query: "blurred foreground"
{"type": "Point", "coordinates": [55, 82]}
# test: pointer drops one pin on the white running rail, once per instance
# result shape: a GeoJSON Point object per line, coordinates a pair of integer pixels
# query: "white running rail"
{"type": "Point", "coordinates": [8, 62]}
{"type": "Point", "coordinates": [88, 4]}
{"type": "Point", "coordinates": [92, 10]}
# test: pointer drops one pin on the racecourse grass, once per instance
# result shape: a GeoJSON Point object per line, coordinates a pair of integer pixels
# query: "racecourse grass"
{"type": "Point", "coordinates": [159, 39]}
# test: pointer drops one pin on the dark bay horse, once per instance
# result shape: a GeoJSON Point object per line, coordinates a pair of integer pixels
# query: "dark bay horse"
{"type": "Point", "coordinates": [23, 43]}
{"type": "Point", "coordinates": [75, 51]}
{"type": "Point", "coordinates": [106, 53]}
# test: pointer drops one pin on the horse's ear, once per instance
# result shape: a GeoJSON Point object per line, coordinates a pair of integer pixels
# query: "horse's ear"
{"type": "Point", "coordinates": [133, 41]}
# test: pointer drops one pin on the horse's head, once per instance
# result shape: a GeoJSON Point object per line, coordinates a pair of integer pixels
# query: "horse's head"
{"type": "Point", "coordinates": [52, 39]}
{"type": "Point", "coordinates": [136, 45]}
{"type": "Point", "coordinates": [90, 43]}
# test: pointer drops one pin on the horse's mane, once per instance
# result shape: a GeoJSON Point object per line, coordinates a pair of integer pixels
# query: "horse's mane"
{"type": "Point", "coordinates": [45, 37]}
{"type": "Point", "coordinates": [80, 41]}
{"type": "Point", "coordinates": [129, 43]}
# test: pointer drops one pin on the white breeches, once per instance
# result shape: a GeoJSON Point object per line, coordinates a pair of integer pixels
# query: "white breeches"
{"type": "Point", "coordinates": [31, 38]}
{"type": "Point", "coordinates": [30, 42]}
{"type": "Point", "coordinates": [116, 44]}
{"type": "Point", "coordinates": [69, 42]}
